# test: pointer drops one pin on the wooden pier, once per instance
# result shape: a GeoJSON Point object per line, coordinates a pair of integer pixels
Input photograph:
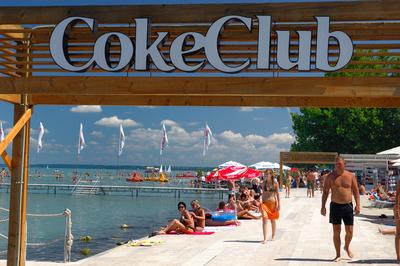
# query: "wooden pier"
{"type": "Point", "coordinates": [134, 191]}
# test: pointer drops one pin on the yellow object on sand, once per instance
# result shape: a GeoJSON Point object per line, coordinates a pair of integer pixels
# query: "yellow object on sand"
{"type": "Point", "coordinates": [144, 243]}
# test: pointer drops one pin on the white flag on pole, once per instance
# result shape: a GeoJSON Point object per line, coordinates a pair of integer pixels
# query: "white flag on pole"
{"type": "Point", "coordinates": [164, 139]}
{"type": "Point", "coordinates": [121, 142]}
{"type": "Point", "coordinates": [41, 133]}
{"type": "Point", "coordinates": [207, 139]}
{"type": "Point", "coordinates": [1, 132]}
{"type": "Point", "coordinates": [81, 143]}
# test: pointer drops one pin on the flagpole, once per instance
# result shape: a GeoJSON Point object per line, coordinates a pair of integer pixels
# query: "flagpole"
{"type": "Point", "coordinates": [80, 147]}
{"type": "Point", "coordinates": [118, 155]}
{"type": "Point", "coordinates": [77, 157]}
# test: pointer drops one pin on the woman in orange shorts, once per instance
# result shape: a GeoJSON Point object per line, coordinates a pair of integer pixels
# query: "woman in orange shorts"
{"type": "Point", "coordinates": [270, 204]}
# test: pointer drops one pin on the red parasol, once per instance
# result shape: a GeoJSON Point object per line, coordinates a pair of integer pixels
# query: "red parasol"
{"type": "Point", "coordinates": [233, 173]}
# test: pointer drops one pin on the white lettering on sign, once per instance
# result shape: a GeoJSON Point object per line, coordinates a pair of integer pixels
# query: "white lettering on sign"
{"type": "Point", "coordinates": [136, 52]}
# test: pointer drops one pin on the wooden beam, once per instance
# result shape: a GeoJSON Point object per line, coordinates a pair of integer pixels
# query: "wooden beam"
{"type": "Point", "coordinates": [340, 11]}
{"type": "Point", "coordinates": [234, 101]}
{"type": "Point", "coordinates": [204, 86]}
{"type": "Point", "coordinates": [15, 130]}
{"type": "Point", "coordinates": [11, 98]}
{"type": "Point", "coordinates": [308, 157]}
{"type": "Point", "coordinates": [7, 160]}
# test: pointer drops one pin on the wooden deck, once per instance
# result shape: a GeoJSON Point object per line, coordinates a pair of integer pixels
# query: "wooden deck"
{"type": "Point", "coordinates": [304, 237]}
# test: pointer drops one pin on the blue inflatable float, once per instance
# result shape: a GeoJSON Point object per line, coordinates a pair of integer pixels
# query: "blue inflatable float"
{"type": "Point", "coordinates": [223, 216]}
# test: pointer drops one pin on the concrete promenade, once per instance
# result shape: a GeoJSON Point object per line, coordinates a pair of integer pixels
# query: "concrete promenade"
{"type": "Point", "coordinates": [304, 237]}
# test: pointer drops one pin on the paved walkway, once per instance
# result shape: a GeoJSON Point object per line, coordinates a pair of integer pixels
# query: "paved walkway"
{"type": "Point", "coordinates": [304, 237]}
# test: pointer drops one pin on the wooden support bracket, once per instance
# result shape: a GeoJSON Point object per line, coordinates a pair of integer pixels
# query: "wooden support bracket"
{"type": "Point", "coordinates": [11, 98]}
{"type": "Point", "coordinates": [7, 160]}
{"type": "Point", "coordinates": [15, 130]}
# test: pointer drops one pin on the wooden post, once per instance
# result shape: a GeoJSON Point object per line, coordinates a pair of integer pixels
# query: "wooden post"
{"type": "Point", "coordinates": [18, 193]}
{"type": "Point", "coordinates": [24, 194]}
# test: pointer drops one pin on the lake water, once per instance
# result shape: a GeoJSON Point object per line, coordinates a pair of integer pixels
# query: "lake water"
{"type": "Point", "coordinates": [99, 216]}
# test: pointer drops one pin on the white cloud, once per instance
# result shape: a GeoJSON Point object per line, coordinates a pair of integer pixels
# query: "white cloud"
{"type": "Point", "coordinates": [193, 124]}
{"type": "Point", "coordinates": [169, 122]}
{"type": "Point", "coordinates": [147, 106]}
{"type": "Point", "coordinates": [114, 121]}
{"type": "Point", "coordinates": [249, 109]}
{"type": "Point", "coordinates": [231, 136]}
{"type": "Point", "coordinates": [86, 109]}
{"type": "Point", "coordinates": [49, 147]}
{"type": "Point", "coordinates": [256, 139]}
{"type": "Point", "coordinates": [246, 109]}
{"type": "Point", "coordinates": [36, 131]}
{"type": "Point", "coordinates": [281, 138]}
{"type": "Point", "coordinates": [97, 134]}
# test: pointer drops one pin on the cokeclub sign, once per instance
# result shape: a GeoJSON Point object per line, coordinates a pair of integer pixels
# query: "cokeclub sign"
{"type": "Point", "coordinates": [135, 53]}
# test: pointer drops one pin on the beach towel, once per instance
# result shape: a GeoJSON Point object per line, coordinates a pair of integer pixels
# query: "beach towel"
{"type": "Point", "coordinates": [144, 243]}
{"type": "Point", "coordinates": [194, 233]}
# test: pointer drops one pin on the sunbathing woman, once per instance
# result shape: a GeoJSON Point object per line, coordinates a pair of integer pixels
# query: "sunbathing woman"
{"type": "Point", "coordinates": [241, 208]}
{"type": "Point", "coordinates": [185, 225]}
{"type": "Point", "coordinates": [243, 211]}
{"type": "Point", "coordinates": [221, 206]}
{"type": "Point", "coordinates": [198, 215]}
{"type": "Point", "coordinates": [270, 204]}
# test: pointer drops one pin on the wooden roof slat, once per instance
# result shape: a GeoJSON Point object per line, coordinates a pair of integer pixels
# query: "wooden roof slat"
{"type": "Point", "coordinates": [12, 35]}
{"type": "Point", "coordinates": [340, 11]}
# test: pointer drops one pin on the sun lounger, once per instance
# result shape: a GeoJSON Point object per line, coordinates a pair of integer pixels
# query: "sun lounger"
{"type": "Point", "coordinates": [382, 203]}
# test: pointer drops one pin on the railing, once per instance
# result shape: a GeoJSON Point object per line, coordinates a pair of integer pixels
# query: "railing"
{"type": "Point", "coordinates": [95, 186]}
{"type": "Point", "coordinates": [68, 237]}
{"type": "Point", "coordinates": [133, 191]}
{"type": "Point", "coordinates": [75, 186]}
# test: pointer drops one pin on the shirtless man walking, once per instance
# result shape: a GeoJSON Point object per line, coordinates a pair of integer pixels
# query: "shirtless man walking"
{"type": "Point", "coordinates": [343, 185]}
{"type": "Point", "coordinates": [310, 184]}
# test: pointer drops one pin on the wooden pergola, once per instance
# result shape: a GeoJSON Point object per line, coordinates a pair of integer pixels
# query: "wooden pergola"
{"type": "Point", "coordinates": [29, 76]}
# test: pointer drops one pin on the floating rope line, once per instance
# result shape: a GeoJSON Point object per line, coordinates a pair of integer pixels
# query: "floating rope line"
{"type": "Point", "coordinates": [68, 237]}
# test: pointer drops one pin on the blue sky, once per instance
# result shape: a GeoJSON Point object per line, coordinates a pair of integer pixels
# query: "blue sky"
{"type": "Point", "coordinates": [247, 135]}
